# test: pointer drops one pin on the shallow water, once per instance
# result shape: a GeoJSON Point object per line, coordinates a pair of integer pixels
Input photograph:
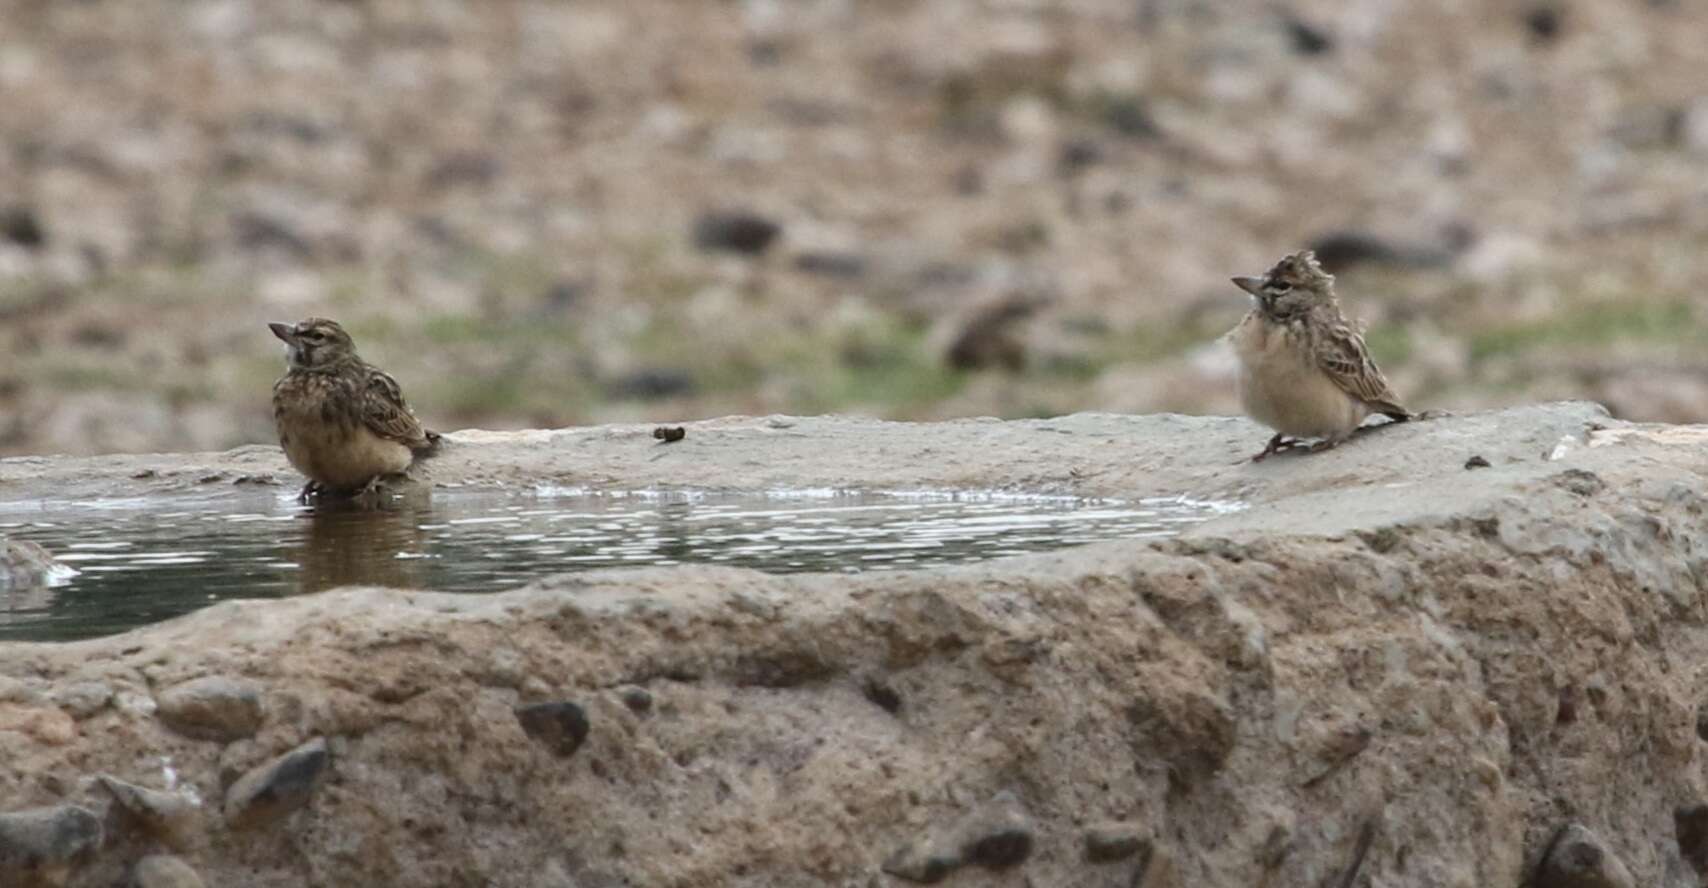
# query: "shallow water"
{"type": "Point", "coordinates": [139, 561]}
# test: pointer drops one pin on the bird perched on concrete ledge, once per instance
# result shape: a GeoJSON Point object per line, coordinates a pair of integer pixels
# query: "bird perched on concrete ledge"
{"type": "Point", "coordinates": [342, 421]}
{"type": "Point", "coordinates": [1304, 369]}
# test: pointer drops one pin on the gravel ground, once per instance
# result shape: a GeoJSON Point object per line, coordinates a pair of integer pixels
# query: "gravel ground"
{"type": "Point", "coordinates": [539, 214]}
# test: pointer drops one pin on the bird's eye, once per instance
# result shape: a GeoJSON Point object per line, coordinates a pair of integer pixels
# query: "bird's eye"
{"type": "Point", "coordinates": [312, 335]}
{"type": "Point", "coordinates": [1280, 286]}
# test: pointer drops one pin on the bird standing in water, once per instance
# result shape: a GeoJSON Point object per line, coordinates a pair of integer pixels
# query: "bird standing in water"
{"type": "Point", "coordinates": [342, 421]}
{"type": "Point", "coordinates": [1304, 369]}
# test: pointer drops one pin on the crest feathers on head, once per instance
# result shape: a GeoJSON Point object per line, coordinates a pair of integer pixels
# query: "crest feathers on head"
{"type": "Point", "coordinates": [1302, 266]}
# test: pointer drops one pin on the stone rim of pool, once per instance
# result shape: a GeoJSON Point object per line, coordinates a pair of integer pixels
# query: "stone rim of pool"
{"type": "Point", "coordinates": [1404, 643]}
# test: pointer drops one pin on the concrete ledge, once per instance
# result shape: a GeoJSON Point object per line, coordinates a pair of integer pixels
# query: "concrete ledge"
{"type": "Point", "coordinates": [1389, 663]}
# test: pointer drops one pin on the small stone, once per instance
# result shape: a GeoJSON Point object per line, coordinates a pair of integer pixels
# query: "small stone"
{"type": "Point", "coordinates": [735, 231]}
{"type": "Point", "coordinates": [1077, 155]}
{"type": "Point", "coordinates": [212, 707]}
{"type": "Point", "coordinates": [44, 842]}
{"type": "Point", "coordinates": [638, 699]}
{"type": "Point", "coordinates": [169, 816]}
{"type": "Point", "coordinates": [1113, 840]}
{"type": "Point", "coordinates": [1277, 846]}
{"type": "Point", "coordinates": [1476, 462]}
{"type": "Point", "coordinates": [1341, 250]}
{"type": "Point", "coordinates": [164, 871]}
{"type": "Point", "coordinates": [1487, 771]}
{"type": "Point", "coordinates": [22, 226]}
{"type": "Point", "coordinates": [1544, 22]}
{"type": "Point", "coordinates": [668, 434]}
{"type": "Point", "coordinates": [1128, 115]}
{"type": "Point", "coordinates": [997, 835]}
{"type": "Point", "coordinates": [989, 336]}
{"type": "Point", "coordinates": [1690, 827]}
{"type": "Point", "coordinates": [1156, 869]}
{"type": "Point", "coordinates": [922, 862]}
{"type": "Point", "coordinates": [278, 787]}
{"type": "Point", "coordinates": [260, 231]}
{"type": "Point", "coordinates": [652, 383]}
{"type": "Point", "coordinates": [829, 263]}
{"type": "Point", "coordinates": [1578, 858]}
{"type": "Point", "coordinates": [561, 725]}
{"type": "Point", "coordinates": [14, 691]}
{"type": "Point", "coordinates": [83, 699]}
{"type": "Point", "coordinates": [1307, 39]}
{"type": "Point", "coordinates": [136, 703]}
{"type": "Point", "coordinates": [1581, 482]}
{"type": "Point", "coordinates": [882, 695]}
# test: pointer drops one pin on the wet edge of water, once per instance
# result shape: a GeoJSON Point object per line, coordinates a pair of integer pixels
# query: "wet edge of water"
{"type": "Point", "coordinates": [201, 544]}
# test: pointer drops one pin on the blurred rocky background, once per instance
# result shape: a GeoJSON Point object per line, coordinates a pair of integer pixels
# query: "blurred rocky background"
{"type": "Point", "coordinates": [541, 213]}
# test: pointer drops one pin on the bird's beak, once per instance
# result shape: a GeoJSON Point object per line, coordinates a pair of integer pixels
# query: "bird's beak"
{"type": "Point", "coordinates": [283, 331]}
{"type": "Point", "coordinates": [1251, 285]}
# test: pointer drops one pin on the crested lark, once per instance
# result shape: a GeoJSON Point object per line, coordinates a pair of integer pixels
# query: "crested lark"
{"type": "Point", "coordinates": [1304, 370]}
{"type": "Point", "coordinates": [342, 421]}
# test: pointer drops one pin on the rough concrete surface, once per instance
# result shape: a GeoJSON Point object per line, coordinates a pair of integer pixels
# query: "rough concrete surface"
{"type": "Point", "coordinates": [1389, 670]}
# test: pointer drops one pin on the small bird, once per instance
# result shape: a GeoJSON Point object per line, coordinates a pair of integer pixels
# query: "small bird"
{"type": "Point", "coordinates": [342, 421]}
{"type": "Point", "coordinates": [1304, 370]}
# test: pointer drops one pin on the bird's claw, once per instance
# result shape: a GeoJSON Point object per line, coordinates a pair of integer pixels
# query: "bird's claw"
{"type": "Point", "coordinates": [1276, 444]}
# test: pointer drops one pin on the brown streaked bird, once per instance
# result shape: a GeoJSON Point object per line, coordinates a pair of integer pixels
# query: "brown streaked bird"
{"type": "Point", "coordinates": [1304, 369]}
{"type": "Point", "coordinates": [342, 421]}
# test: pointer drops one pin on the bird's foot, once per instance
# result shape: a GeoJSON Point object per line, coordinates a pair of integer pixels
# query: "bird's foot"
{"type": "Point", "coordinates": [309, 491]}
{"type": "Point", "coordinates": [1276, 445]}
{"type": "Point", "coordinates": [1324, 444]}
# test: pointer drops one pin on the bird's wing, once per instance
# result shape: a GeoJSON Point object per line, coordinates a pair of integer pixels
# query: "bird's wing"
{"type": "Point", "coordinates": [1340, 352]}
{"type": "Point", "coordinates": [385, 413]}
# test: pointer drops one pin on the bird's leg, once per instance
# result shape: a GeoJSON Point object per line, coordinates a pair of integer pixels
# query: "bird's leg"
{"type": "Point", "coordinates": [1276, 445]}
{"type": "Point", "coordinates": [309, 491]}
{"type": "Point", "coordinates": [372, 488]}
{"type": "Point", "coordinates": [1325, 444]}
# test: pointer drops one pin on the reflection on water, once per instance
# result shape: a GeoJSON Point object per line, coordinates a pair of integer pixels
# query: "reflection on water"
{"type": "Point", "coordinates": [349, 545]}
{"type": "Point", "coordinates": [136, 565]}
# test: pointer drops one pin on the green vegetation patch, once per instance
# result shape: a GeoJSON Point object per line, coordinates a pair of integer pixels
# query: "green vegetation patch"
{"type": "Point", "coordinates": [1593, 325]}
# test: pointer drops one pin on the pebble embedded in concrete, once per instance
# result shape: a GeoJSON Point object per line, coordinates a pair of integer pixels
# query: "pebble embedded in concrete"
{"type": "Point", "coordinates": [636, 698]}
{"type": "Point", "coordinates": [42, 844]}
{"type": "Point", "coordinates": [560, 725]}
{"type": "Point", "coordinates": [1690, 829]}
{"type": "Point", "coordinates": [1578, 858]}
{"type": "Point", "coordinates": [922, 862]}
{"type": "Point", "coordinates": [213, 707]}
{"type": "Point", "coordinates": [882, 694]}
{"type": "Point", "coordinates": [1113, 840]}
{"type": "Point", "coordinates": [171, 817]}
{"type": "Point", "coordinates": [164, 871]}
{"type": "Point", "coordinates": [1156, 869]}
{"type": "Point", "coordinates": [996, 835]}
{"type": "Point", "coordinates": [278, 787]}
{"type": "Point", "coordinates": [83, 699]}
